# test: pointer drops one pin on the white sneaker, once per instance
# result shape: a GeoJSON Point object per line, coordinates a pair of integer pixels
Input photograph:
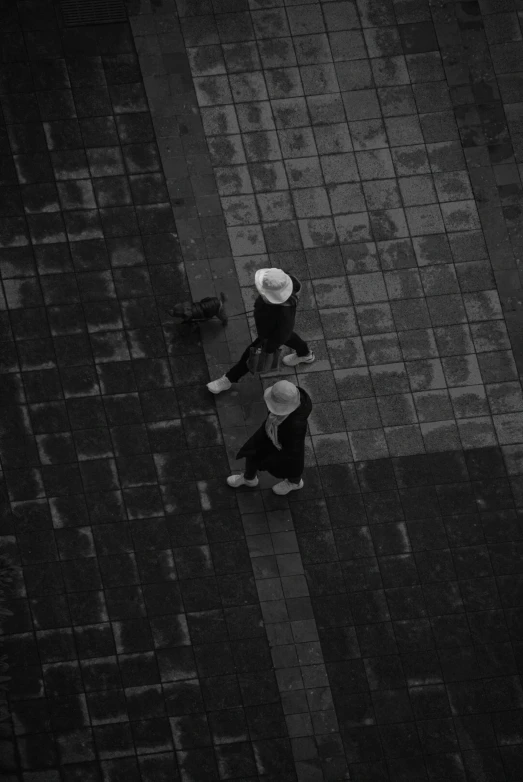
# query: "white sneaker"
{"type": "Point", "coordinates": [292, 360]}
{"type": "Point", "coordinates": [284, 487]}
{"type": "Point", "coordinates": [239, 480]}
{"type": "Point", "coordinates": [217, 386]}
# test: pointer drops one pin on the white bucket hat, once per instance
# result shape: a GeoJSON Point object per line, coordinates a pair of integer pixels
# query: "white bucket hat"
{"type": "Point", "coordinates": [275, 284]}
{"type": "Point", "coordinates": [282, 398]}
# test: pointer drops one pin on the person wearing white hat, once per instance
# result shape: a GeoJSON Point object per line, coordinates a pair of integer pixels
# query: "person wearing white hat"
{"type": "Point", "coordinates": [278, 446]}
{"type": "Point", "coordinates": [274, 318]}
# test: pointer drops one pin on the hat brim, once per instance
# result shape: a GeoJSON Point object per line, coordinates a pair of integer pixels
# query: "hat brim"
{"type": "Point", "coordinates": [277, 409]}
{"type": "Point", "coordinates": [275, 298]}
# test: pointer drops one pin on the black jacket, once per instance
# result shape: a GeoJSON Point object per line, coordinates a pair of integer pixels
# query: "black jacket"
{"type": "Point", "coordinates": [275, 322]}
{"type": "Point", "coordinates": [289, 462]}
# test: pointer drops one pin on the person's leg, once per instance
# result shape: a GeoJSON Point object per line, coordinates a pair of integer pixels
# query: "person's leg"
{"type": "Point", "coordinates": [234, 374]}
{"type": "Point", "coordinates": [240, 369]}
{"type": "Point", "coordinates": [250, 472]}
{"type": "Point", "coordinates": [296, 343]}
{"type": "Point", "coordinates": [301, 354]}
{"type": "Point", "coordinates": [248, 477]}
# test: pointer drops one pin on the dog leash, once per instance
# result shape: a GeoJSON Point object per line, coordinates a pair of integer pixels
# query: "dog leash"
{"type": "Point", "coordinates": [229, 317]}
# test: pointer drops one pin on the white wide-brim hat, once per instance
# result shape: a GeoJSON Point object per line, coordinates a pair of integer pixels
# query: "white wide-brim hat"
{"type": "Point", "coordinates": [282, 398]}
{"type": "Point", "coordinates": [274, 284]}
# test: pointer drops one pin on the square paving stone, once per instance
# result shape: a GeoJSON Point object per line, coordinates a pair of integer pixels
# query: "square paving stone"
{"type": "Point", "coordinates": [361, 104]}
{"type": "Point", "coordinates": [440, 436]}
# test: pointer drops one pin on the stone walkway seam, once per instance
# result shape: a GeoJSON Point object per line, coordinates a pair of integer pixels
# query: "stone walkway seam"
{"type": "Point", "coordinates": [279, 574]}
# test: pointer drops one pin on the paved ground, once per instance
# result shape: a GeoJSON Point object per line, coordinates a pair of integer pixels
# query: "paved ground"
{"type": "Point", "coordinates": [369, 627]}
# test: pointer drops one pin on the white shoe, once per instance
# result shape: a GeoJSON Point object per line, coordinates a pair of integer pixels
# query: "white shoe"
{"type": "Point", "coordinates": [217, 386]}
{"type": "Point", "coordinates": [292, 360]}
{"type": "Point", "coordinates": [235, 481]}
{"type": "Point", "coordinates": [284, 487]}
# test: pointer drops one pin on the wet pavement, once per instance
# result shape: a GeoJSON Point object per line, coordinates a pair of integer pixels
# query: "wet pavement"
{"type": "Point", "coordinates": [163, 627]}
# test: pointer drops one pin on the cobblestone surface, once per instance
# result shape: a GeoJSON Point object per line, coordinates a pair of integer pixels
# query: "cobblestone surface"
{"type": "Point", "coordinates": [164, 627]}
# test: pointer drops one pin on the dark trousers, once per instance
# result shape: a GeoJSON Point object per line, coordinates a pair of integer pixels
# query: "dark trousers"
{"type": "Point", "coordinates": [240, 368]}
{"type": "Point", "coordinates": [251, 471]}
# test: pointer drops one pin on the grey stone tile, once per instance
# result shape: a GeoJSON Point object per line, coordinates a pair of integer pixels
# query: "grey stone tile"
{"type": "Point", "coordinates": [426, 374]}
{"type": "Point", "coordinates": [497, 367]}
{"type": "Point", "coordinates": [477, 432]}
{"type": "Point", "coordinates": [382, 194]}
{"type": "Point", "coordinates": [312, 49]}
{"type": "Point", "coordinates": [390, 378]}
{"type": "Point", "coordinates": [382, 348]}
{"type": "Point", "coordinates": [439, 280]}
{"type": "Point", "coordinates": [368, 288]}
{"type": "Point", "coordinates": [361, 104]}
{"type": "Point", "coordinates": [375, 318]}
{"type": "Point", "coordinates": [331, 292]}
{"type": "Point", "coordinates": [346, 198]}
{"type": "Point", "coordinates": [417, 190]}
{"type": "Point", "coordinates": [332, 448]}
{"type": "Point", "coordinates": [317, 232]}
{"type": "Point", "coordinates": [360, 257]}
{"type": "Point", "coordinates": [509, 428]}
{"type": "Point", "coordinates": [396, 101]}
{"type": "Point", "coordinates": [505, 397]}
{"type": "Point", "coordinates": [410, 160]}
{"type": "Point", "coordinates": [397, 410]}
{"type": "Point", "coordinates": [270, 23]}
{"type": "Point", "coordinates": [390, 71]}
{"type": "Point", "coordinates": [353, 383]}
{"type": "Point", "coordinates": [347, 45]}
{"type": "Point", "coordinates": [361, 413]}
{"type": "Point", "coordinates": [277, 52]}
{"type": "Point", "coordinates": [368, 444]}
{"type": "Point", "coordinates": [346, 352]}
{"type": "Point", "coordinates": [469, 401]}
{"type": "Point", "coordinates": [311, 202]}
{"type": "Point", "coordinates": [410, 314]}
{"type": "Point", "coordinates": [353, 227]}
{"type": "Point", "coordinates": [433, 249]}
{"type": "Point", "coordinates": [440, 436]}
{"type": "Point", "coordinates": [255, 115]}
{"type": "Point", "coordinates": [396, 254]}
{"type": "Point", "coordinates": [461, 370]}
{"type": "Point", "coordinates": [241, 56]}
{"type": "Point", "coordinates": [418, 344]}
{"type": "Point", "coordinates": [433, 406]}
{"type": "Point", "coordinates": [304, 172]}
{"type": "Point", "coordinates": [403, 284]}
{"type": "Point", "coordinates": [446, 310]}
{"type": "Point", "coordinates": [354, 75]}
{"type": "Point", "coordinates": [404, 440]}
{"type": "Point", "coordinates": [376, 164]}
{"type": "Point", "coordinates": [482, 306]}
{"type": "Point", "coordinates": [491, 335]}
{"type": "Point", "coordinates": [454, 340]}
{"type": "Point", "coordinates": [424, 220]}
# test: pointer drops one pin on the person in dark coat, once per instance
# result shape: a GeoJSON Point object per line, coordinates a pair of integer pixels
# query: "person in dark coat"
{"type": "Point", "coordinates": [274, 317]}
{"type": "Point", "coordinates": [278, 446]}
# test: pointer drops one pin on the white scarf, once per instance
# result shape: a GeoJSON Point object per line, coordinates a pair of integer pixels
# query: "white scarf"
{"type": "Point", "coordinates": [271, 427]}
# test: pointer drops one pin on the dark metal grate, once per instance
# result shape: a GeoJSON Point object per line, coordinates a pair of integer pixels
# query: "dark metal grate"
{"type": "Point", "coordinates": [80, 12]}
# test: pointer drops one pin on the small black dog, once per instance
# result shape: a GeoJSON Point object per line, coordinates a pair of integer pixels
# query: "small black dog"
{"type": "Point", "coordinates": [195, 312]}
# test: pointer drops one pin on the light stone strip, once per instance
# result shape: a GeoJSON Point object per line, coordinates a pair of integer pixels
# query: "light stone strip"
{"type": "Point", "coordinates": [278, 568]}
{"type": "Point", "coordinates": [295, 647]}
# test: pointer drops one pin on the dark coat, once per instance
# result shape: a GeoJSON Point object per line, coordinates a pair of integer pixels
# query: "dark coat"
{"type": "Point", "coordinates": [275, 322]}
{"type": "Point", "coordinates": [289, 462]}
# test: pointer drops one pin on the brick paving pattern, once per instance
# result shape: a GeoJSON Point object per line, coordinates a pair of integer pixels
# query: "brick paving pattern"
{"type": "Point", "coordinates": [164, 627]}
